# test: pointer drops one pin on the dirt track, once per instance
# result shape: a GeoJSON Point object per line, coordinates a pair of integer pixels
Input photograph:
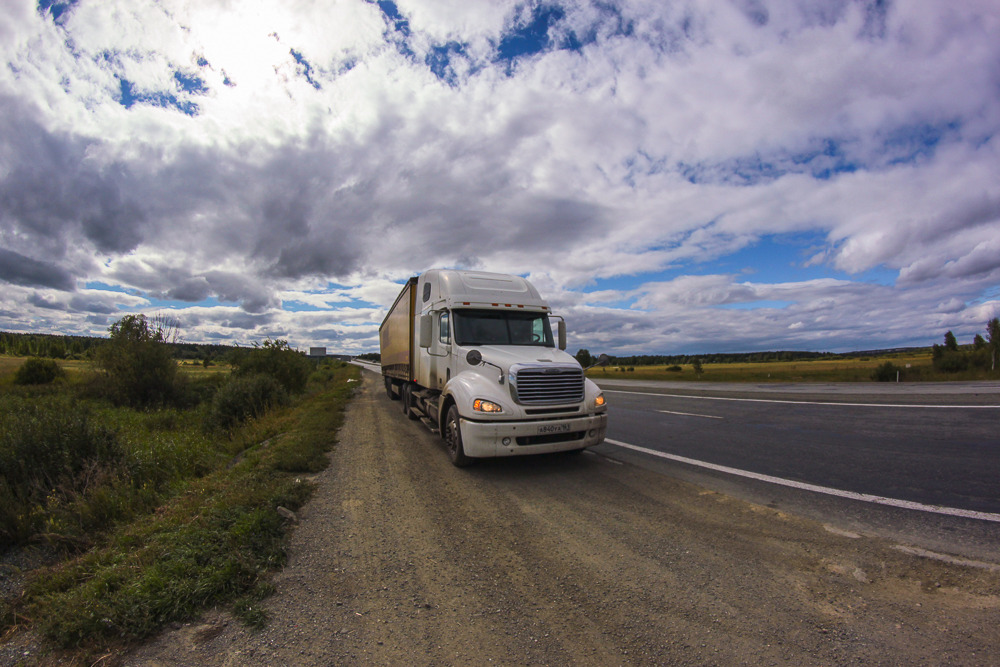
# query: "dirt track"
{"type": "Point", "coordinates": [401, 558]}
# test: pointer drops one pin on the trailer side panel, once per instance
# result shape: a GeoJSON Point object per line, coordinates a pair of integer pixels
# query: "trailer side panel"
{"type": "Point", "coordinates": [396, 335]}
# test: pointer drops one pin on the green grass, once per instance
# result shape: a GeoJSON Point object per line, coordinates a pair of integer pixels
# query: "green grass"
{"type": "Point", "coordinates": [202, 527]}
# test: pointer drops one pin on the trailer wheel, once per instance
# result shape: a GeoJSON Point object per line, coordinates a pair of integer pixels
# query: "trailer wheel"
{"type": "Point", "coordinates": [393, 396]}
{"type": "Point", "coordinates": [408, 403]}
{"type": "Point", "coordinates": [452, 435]}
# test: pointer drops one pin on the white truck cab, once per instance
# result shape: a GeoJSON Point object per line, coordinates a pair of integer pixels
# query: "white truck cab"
{"type": "Point", "coordinates": [473, 354]}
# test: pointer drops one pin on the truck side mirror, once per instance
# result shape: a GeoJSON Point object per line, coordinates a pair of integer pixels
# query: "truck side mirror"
{"type": "Point", "coordinates": [562, 335]}
{"type": "Point", "coordinates": [474, 357]}
{"type": "Point", "coordinates": [426, 330]}
{"type": "Point", "coordinates": [602, 360]}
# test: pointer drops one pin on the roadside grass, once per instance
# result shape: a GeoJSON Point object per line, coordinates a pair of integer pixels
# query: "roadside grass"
{"type": "Point", "coordinates": [912, 366]}
{"type": "Point", "coordinates": [192, 524]}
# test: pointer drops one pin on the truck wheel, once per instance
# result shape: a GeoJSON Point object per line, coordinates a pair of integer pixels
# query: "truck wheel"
{"type": "Point", "coordinates": [393, 396]}
{"type": "Point", "coordinates": [408, 403]}
{"type": "Point", "coordinates": [452, 434]}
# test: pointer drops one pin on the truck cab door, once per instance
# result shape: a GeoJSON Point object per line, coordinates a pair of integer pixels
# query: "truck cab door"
{"type": "Point", "coordinates": [440, 350]}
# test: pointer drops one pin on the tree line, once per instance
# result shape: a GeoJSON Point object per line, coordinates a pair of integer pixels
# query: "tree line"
{"type": "Point", "coordinates": [55, 346]}
{"type": "Point", "coordinates": [982, 353]}
{"type": "Point", "coordinates": [586, 358]}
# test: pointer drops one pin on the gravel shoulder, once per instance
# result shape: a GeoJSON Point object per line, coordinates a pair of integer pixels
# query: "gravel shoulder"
{"type": "Point", "coordinates": [402, 558]}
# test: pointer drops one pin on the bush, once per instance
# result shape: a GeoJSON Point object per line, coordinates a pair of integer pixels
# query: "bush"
{"type": "Point", "coordinates": [244, 398]}
{"type": "Point", "coordinates": [51, 452]}
{"type": "Point", "coordinates": [276, 359]}
{"type": "Point", "coordinates": [38, 371]}
{"type": "Point", "coordinates": [951, 361]}
{"type": "Point", "coordinates": [139, 368]}
{"type": "Point", "coordinates": [885, 372]}
{"type": "Point", "coordinates": [674, 369]}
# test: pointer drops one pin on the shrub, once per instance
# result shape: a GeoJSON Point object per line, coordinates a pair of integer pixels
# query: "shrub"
{"type": "Point", "coordinates": [38, 371]}
{"type": "Point", "coordinates": [674, 369]}
{"type": "Point", "coordinates": [276, 359]}
{"type": "Point", "coordinates": [51, 452]}
{"type": "Point", "coordinates": [885, 372]}
{"type": "Point", "coordinates": [138, 365]}
{"type": "Point", "coordinates": [951, 361]}
{"type": "Point", "coordinates": [243, 398]}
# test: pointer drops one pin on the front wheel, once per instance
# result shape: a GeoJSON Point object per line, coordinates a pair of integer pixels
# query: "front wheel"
{"type": "Point", "coordinates": [452, 434]}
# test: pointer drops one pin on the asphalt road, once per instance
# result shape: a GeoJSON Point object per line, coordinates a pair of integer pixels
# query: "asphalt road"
{"type": "Point", "coordinates": [934, 445]}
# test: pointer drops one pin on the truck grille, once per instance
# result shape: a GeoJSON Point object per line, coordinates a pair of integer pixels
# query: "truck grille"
{"type": "Point", "coordinates": [535, 386]}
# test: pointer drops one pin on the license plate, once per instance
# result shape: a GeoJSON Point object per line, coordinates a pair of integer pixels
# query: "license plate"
{"type": "Point", "coordinates": [553, 428]}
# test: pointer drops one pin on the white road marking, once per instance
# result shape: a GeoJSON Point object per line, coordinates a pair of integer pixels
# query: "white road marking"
{"type": "Point", "coordinates": [688, 414]}
{"type": "Point", "coordinates": [864, 497]}
{"type": "Point", "coordinates": [924, 553]}
{"type": "Point", "coordinates": [776, 400]}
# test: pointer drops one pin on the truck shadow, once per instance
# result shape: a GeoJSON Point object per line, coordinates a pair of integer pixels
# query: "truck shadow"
{"type": "Point", "coordinates": [536, 465]}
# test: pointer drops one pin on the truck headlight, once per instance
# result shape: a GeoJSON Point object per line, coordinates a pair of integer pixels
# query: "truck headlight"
{"type": "Point", "coordinates": [599, 402]}
{"type": "Point", "coordinates": [482, 405]}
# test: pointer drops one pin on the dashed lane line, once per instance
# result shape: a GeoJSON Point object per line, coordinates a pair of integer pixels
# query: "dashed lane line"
{"type": "Point", "coordinates": [840, 493]}
{"type": "Point", "coordinates": [688, 414]}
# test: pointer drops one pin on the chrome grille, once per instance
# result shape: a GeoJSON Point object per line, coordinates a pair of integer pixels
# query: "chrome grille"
{"type": "Point", "coordinates": [546, 385]}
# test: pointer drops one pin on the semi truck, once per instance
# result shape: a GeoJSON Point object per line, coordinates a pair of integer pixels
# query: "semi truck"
{"type": "Point", "coordinates": [472, 355]}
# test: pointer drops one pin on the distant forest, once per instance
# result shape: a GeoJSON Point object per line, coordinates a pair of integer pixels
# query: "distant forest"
{"type": "Point", "coordinates": [81, 347]}
{"type": "Point", "coordinates": [586, 359]}
{"type": "Point", "coordinates": [742, 357]}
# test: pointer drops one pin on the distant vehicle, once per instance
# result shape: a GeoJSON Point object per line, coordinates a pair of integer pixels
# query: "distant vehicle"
{"type": "Point", "coordinates": [472, 355]}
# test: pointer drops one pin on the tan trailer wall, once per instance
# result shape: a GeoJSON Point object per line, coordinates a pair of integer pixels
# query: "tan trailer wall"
{"type": "Point", "coordinates": [396, 335]}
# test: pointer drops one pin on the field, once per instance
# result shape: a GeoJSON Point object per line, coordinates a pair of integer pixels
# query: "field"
{"type": "Point", "coordinates": [117, 520]}
{"type": "Point", "coordinates": [75, 369]}
{"type": "Point", "coordinates": [913, 367]}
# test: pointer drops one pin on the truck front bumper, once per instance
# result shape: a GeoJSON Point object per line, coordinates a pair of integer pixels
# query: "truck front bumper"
{"type": "Point", "coordinates": [505, 438]}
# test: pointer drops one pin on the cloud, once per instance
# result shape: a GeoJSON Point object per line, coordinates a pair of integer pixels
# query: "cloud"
{"type": "Point", "coordinates": [200, 156]}
{"type": "Point", "coordinates": [20, 270]}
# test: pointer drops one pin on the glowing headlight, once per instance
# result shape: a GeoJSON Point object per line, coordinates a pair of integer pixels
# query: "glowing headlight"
{"type": "Point", "coordinates": [480, 405]}
{"type": "Point", "coordinates": [599, 402]}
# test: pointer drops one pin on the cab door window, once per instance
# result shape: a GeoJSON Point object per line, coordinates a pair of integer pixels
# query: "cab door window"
{"type": "Point", "coordinates": [444, 329]}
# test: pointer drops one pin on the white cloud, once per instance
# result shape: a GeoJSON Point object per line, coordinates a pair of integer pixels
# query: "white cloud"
{"type": "Point", "coordinates": [323, 149]}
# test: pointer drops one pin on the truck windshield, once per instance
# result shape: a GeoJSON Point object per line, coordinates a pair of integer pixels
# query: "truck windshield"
{"type": "Point", "coordinates": [502, 327]}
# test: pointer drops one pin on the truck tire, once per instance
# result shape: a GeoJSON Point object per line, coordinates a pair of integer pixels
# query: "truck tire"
{"type": "Point", "coordinates": [393, 396]}
{"type": "Point", "coordinates": [452, 434]}
{"type": "Point", "coordinates": [408, 403]}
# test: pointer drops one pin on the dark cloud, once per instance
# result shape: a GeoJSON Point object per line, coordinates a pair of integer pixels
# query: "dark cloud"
{"type": "Point", "coordinates": [54, 194]}
{"type": "Point", "coordinates": [98, 320]}
{"type": "Point", "coordinates": [42, 301]}
{"type": "Point", "coordinates": [191, 289]}
{"type": "Point", "coordinates": [20, 270]}
{"type": "Point", "coordinates": [247, 321]}
{"type": "Point", "coordinates": [94, 305]}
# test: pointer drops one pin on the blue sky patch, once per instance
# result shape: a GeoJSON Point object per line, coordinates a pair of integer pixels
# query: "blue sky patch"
{"type": "Point", "coordinates": [190, 83]}
{"type": "Point", "coordinates": [55, 8]}
{"type": "Point", "coordinates": [129, 97]}
{"type": "Point", "coordinates": [439, 60]}
{"type": "Point", "coordinates": [397, 21]}
{"type": "Point", "coordinates": [531, 38]}
{"type": "Point", "coordinates": [914, 142]}
{"type": "Point", "coordinates": [305, 68]}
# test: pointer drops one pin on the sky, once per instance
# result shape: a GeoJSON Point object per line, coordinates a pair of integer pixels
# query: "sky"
{"type": "Point", "coordinates": [675, 177]}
